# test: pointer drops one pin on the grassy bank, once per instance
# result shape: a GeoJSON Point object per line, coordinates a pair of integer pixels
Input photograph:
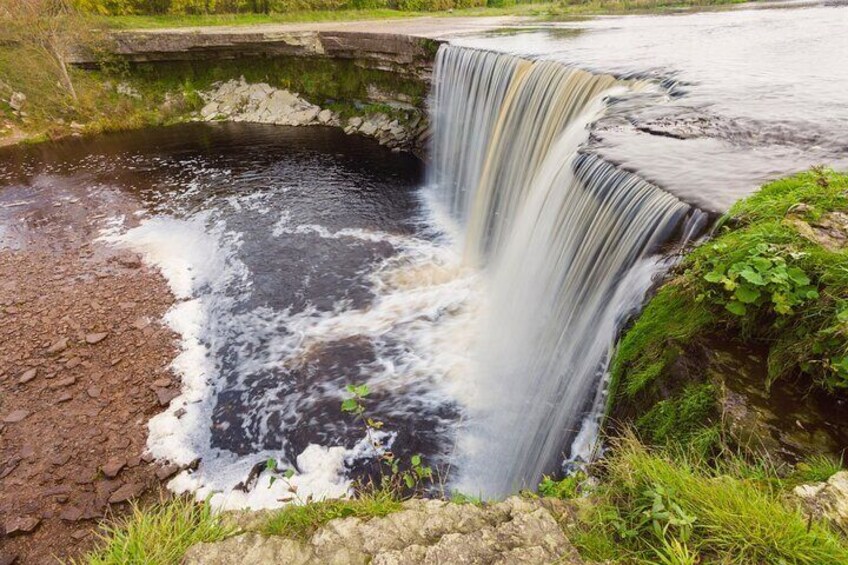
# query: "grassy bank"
{"type": "Point", "coordinates": [643, 505]}
{"type": "Point", "coordinates": [774, 279]}
{"type": "Point", "coordinates": [542, 10]}
{"type": "Point", "coordinates": [674, 507]}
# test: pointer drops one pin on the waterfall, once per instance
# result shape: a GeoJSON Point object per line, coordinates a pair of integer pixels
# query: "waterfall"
{"type": "Point", "coordinates": [566, 243]}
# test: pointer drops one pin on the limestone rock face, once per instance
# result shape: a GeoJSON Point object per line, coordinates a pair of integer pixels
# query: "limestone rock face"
{"type": "Point", "coordinates": [239, 101]}
{"type": "Point", "coordinates": [827, 500]}
{"type": "Point", "coordinates": [516, 531]}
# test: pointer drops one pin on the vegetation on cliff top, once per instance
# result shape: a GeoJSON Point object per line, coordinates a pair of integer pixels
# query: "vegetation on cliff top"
{"type": "Point", "coordinates": [775, 275]}
{"type": "Point", "coordinates": [170, 13]}
{"type": "Point", "coordinates": [675, 507]}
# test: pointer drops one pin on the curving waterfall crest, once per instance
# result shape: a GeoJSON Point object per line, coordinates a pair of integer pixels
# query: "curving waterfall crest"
{"type": "Point", "coordinates": [567, 243]}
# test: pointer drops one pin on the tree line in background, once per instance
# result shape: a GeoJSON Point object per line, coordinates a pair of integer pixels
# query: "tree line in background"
{"type": "Point", "coordinates": [158, 7]}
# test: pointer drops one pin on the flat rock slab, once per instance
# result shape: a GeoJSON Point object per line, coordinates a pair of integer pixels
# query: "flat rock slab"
{"type": "Point", "coordinates": [425, 531]}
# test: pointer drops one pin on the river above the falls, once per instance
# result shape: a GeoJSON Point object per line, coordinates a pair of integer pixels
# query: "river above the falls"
{"type": "Point", "coordinates": [736, 98]}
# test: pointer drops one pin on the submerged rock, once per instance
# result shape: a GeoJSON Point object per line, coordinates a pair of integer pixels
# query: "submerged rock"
{"type": "Point", "coordinates": [425, 531]}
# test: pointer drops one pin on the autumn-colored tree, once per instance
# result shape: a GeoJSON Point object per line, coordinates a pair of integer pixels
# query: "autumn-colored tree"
{"type": "Point", "coordinates": [50, 27]}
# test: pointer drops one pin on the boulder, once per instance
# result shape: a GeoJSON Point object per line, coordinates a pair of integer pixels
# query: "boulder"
{"type": "Point", "coordinates": [17, 100]}
{"type": "Point", "coordinates": [827, 500]}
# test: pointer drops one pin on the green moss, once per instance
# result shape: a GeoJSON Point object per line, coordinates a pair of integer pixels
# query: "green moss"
{"type": "Point", "coordinates": [301, 521]}
{"type": "Point", "coordinates": [762, 282]}
{"type": "Point", "coordinates": [657, 337]}
{"type": "Point", "coordinates": [319, 80]}
{"type": "Point", "coordinates": [681, 418]}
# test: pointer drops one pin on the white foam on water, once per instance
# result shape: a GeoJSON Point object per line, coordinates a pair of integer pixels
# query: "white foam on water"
{"type": "Point", "coordinates": [419, 323]}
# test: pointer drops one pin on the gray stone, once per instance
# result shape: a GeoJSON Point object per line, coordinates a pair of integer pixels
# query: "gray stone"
{"type": "Point", "coordinates": [17, 100]}
{"type": "Point", "coordinates": [324, 116]}
{"type": "Point", "coordinates": [517, 531]}
{"type": "Point", "coordinates": [368, 128]}
{"type": "Point", "coordinates": [828, 500]}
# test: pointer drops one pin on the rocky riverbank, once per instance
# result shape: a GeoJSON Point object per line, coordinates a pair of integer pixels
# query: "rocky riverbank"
{"type": "Point", "coordinates": [84, 364]}
{"type": "Point", "coordinates": [240, 101]}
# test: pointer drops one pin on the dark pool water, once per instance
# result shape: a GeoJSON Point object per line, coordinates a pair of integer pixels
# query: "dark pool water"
{"type": "Point", "coordinates": [282, 246]}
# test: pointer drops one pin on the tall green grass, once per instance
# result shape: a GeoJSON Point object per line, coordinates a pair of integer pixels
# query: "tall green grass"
{"type": "Point", "coordinates": [654, 504]}
{"type": "Point", "coordinates": [159, 535]}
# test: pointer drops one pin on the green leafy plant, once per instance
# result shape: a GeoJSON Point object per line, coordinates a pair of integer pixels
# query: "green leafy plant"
{"type": "Point", "coordinates": [566, 488]}
{"type": "Point", "coordinates": [415, 473]}
{"type": "Point", "coordinates": [763, 277]}
{"type": "Point", "coordinates": [663, 513]}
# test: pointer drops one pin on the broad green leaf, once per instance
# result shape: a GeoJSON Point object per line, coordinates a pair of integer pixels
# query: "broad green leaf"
{"type": "Point", "coordinates": [761, 263]}
{"type": "Point", "coordinates": [416, 460]}
{"type": "Point", "coordinates": [752, 277]}
{"type": "Point", "coordinates": [736, 307]}
{"type": "Point", "coordinates": [713, 277]}
{"type": "Point", "coordinates": [747, 294]}
{"type": "Point", "coordinates": [350, 405]}
{"type": "Point", "coordinates": [798, 276]}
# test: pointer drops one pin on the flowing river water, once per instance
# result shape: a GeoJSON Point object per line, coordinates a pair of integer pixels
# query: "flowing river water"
{"type": "Point", "coordinates": [479, 301]}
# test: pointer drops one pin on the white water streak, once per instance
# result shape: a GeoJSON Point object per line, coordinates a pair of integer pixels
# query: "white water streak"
{"type": "Point", "coordinates": [558, 235]}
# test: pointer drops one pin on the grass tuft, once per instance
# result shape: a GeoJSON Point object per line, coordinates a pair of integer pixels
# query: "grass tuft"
{"type": "Point", "coordinates": [158, 535]}
{"type": "Point", "coordinates": [301, 521]}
